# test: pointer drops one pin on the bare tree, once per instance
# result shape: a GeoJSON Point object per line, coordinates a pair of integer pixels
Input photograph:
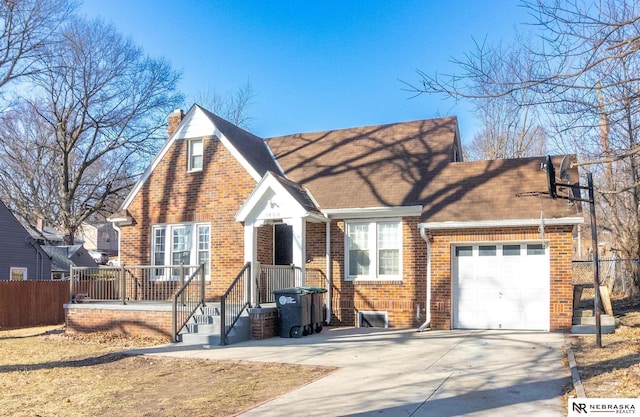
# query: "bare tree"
{"type": "Point", "coordinates": [583, 77]}
{"type": "Point", "coordinates": [232, 106]}
{"type": "Point", "coordinates": [26, 26]}
{"type": "Point", "coordinates": [99, 105]}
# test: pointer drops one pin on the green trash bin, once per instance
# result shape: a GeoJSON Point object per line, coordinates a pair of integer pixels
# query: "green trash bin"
{"type": "Point", "coordinates": [294, 309]}
{"type": "Point", "coordinates": [317, 308]}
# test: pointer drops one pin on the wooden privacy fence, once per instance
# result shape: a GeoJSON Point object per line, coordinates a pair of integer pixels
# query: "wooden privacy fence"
{"type": "Point", "coordinates": [32, 303]}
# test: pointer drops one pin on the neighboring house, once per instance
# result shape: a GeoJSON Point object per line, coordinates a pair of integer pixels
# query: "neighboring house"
{"type": "Point", "coordinates": [22, 257]}
{"type": "Point", "coordinates": [64, 257]}
{"type": "Point", "coordinates": [406, 233]}
{"type": "Point", "coordinates": [98, 237]}
{"type": "Point", "coordinates": [44, 233]}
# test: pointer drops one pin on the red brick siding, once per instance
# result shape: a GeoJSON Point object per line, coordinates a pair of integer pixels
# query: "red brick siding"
{"type": "Point", "coordinates": [265, 244]}
{"type": "Point", "coordinates": [401, 299]}
{"type": "Point", "coordinates": [264, 323]}
{"type": "Point", "coordinates": [316, 246]}
{"type": "Point", "coordinates": [560, 244]}
{"type": "Point", "coordinates": [127, 322]}
{"type": "Point", "coordinates": [173, 195]}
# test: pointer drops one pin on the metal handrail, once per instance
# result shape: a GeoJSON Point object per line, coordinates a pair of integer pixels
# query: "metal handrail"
{"type": "Point", "coordinates": [233, 302]}
{"type": "Point", "coordinates": [126, 284]}
{"type": "Point", "coordinates": [191, 298]}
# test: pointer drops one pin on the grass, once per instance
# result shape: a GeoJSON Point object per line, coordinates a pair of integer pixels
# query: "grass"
{"type": "Point", "coordinates": [62, 375]}
{"type": "Point", "coordinates": [55, 374]}
{"type": "Point", "coordinates": [612, 371]}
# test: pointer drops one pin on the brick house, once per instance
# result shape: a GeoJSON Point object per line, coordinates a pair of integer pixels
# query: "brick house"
{"type": "Point", "coordinates": [404, 232]}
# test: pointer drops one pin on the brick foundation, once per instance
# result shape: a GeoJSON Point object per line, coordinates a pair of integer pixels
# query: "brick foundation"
{"type": "Point", "coordinates": [87, 318]}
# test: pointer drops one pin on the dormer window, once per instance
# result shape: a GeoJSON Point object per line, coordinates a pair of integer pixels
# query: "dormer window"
{"type": "Point", "coordinates": [195, 155]}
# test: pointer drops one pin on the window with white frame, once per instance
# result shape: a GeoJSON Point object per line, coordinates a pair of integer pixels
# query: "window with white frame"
{"type": "Point", "coordinates": [195, 155]}
{"type": "Point", "coordinates": [18, 274]}
{"type": "Point", "coordinates": [187, 243]}
{"type": "Point", "coordinates": [373, 250]}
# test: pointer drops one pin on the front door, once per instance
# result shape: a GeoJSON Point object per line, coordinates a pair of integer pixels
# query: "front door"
{"type": "Point", "coordinates": [283, 245]}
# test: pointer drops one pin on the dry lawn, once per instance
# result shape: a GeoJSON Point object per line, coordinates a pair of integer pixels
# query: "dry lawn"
{"type": "Point", "coordinates": [612, 371]}
{"type": "Point", "coordinates": [55, 374]}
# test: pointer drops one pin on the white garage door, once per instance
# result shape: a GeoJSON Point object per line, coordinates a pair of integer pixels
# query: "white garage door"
{"type": "Point", "coordinates": [501, 286]}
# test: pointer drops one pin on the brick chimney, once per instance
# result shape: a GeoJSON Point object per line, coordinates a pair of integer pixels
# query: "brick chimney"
{"type": "Point", "coordinates": [174, 120]}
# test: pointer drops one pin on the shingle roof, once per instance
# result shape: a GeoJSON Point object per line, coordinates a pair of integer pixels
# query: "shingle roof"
{"type": "Point", "coordinates": [405, 164]}
{"type": "Point", "coordinates": [252, 148]}
{"type": "Point", "coordinates": [375, 166]}
{"type": "Point", "coordinates": [486, 190]}
{"type": "Point", "coordinates": [299, 193]}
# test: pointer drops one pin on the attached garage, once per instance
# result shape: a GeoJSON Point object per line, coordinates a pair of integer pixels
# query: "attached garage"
{"type": "Point", "coordinates": [501, 286]}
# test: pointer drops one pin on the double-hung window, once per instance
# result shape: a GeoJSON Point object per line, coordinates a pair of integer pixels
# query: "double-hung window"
{"type": "Point", "coordinates": [373, 250]}
{"type": "Point", "coordinates": [180, 244]}
{"type": "Point", "coordinates": [195, 155]}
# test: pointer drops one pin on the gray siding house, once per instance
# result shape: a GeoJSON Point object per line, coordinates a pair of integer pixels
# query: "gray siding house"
{"type": "Point", "coordinates": [21, 257]}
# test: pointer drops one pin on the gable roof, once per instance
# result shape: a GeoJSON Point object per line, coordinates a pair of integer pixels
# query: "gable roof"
{"type": "Point", "coordinates": [250, 150]}
{"type": "Point", "coordinates": [64, 257]}
{"type": "Point", "coordinates": [375, 166]}
{"type": "Point", "coordinates": [14, 231]}
{"type": "Point", "coordinates": [249, 146]}
{"type": "Point", "coordinates": [276, 197]}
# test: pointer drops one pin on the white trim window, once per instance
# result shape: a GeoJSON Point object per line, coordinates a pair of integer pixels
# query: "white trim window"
{"type": "Point", "coordinates": [373, 250]}
{"type": "Point", "coordinates": [172, 244]}
{"type": "Point", "coordinates": [18, 274]}
{"type": "Point", "coordinates": [196, 155]}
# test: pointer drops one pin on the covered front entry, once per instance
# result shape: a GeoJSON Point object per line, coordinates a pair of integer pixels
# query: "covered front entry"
{"type": "Point", "coordinates": [287, 207]}
{"type": "Point", "coordinates": [501, 286]}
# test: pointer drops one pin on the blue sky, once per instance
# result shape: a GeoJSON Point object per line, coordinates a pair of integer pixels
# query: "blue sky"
{"type": "Point", "coordinates": [315, 65]}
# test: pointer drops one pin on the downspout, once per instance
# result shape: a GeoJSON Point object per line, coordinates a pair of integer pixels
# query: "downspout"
{"type": "Point", "coordinates": [328, 258]}
{"type": "Point", "coordinates": [117, 229]}
{"type": "Point", "coordinates": [427, 323]}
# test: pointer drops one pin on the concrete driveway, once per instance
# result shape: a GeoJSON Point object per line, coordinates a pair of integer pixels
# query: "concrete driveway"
{"type": "Point", "coordinates": [390, 372]}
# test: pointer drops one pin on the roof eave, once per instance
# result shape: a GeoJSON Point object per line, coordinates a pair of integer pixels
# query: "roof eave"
{"type": "Point", "coordinates": [372, 212]}
{"type": "Point", "coordinates": [483, 224]}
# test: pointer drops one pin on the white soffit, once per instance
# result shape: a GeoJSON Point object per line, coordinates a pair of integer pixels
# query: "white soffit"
{"type": "Point", "coordinates": [269, 201]}
{"type": "Point", "coordinates": [501, 223]}
{"type": "Point", "coordinates": [195, 125]}
{"type": "Point", "coordinates": [373, 212]}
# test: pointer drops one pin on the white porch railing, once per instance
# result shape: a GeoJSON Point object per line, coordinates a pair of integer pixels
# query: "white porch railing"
{"type": "Point", "coordinates": [276, 277]}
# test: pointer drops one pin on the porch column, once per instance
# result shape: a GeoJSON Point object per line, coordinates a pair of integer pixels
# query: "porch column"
{"type": "Point", "coordinates": [299, 229]}
{"type": "Point", "coordinates": [251, 255]}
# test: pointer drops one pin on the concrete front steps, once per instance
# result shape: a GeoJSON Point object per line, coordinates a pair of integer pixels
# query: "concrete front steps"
{"type": "Point", "coordinates": [584, 322]}
{"type": "Point", "coordinates": [203, 328]}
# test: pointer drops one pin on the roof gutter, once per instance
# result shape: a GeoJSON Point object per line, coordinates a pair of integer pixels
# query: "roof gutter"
{"type": "Point", "coordinates": [373, 212]}
{"type": "Point", "coordinates": [558, 221]}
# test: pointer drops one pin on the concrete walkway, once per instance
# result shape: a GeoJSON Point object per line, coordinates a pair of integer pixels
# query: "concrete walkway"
{"type": "Point", "coordinates": [390, 372]}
